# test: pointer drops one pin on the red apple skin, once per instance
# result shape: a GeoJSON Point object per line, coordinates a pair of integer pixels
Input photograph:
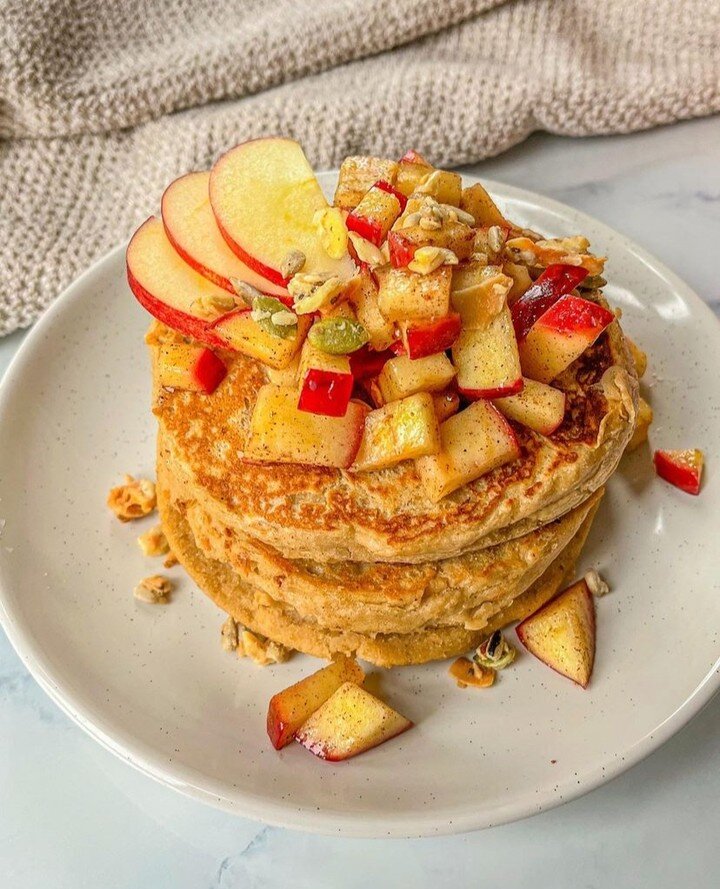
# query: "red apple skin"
{"type": "Point", "coordinates": [209, 371]}
{"type": "Point", "coordinates": [432, 338]}
{"type": "Point", "coordinates": [573, 314]}
{"type": "Point", "coordinates": [678, 471]}
{"type": "Point", "coordinates": [197, 328]}
{"type": "Point", "coordinates": [385, 186]}
{"type": "Point", "coordinates": [413, 157]}
{"type": "Point", "coordinates": [554, 282]}
{"type": "Point", "coordinates": [500, 392]}
{"type": "Point", "coordinates": [401, 250]}
{"type": "Point", "coordinates": [366, 362]}
{"type": "Point", "coordinates": [326, 392]}
{"type": "Point", "coordinates": [366, 228]}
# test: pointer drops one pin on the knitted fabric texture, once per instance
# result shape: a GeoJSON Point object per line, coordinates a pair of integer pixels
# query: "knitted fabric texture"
{"type": "Point", "coordinates": [103, 104]}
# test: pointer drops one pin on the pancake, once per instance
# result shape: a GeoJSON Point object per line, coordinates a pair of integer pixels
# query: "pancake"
{"type": "Point", "coordinates": [322, 514]}
{"type": "Point", "coordinates": [379, 597]}
{"type": "Point", "coordinates": [259, 612]}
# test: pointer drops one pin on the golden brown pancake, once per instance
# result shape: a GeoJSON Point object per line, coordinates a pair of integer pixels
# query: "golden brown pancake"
{"type": "Point", "coordinates": [260, 612]}
{"type": "Point", "coordinates": [322, 514]}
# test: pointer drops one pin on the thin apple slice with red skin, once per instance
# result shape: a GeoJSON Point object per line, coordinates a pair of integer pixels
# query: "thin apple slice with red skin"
{"type": "Point", "coordinates": [487, 360]}
{"type": "Point", "coordinates": [401, 250]}
{"type": "Point", "coordinates": [561, 335]}
{"type": "Point", "coordinates": [683, 469]}
{"type": "Point", "coordinates": [350, 722]}
{"type": "Point", "coordinates": [185, 366]}
{"type": "Point", "coordinates": [168, 287]}
{"type": "Point", "coordinates": [245, 335]}
{"type": "Point", "coordinates": [192, 230]}
{"type": "Point", "coordinates": [293, 706]}
{"type": "Point", "coordinates": [264, 195]}
{"type": "Point", "coordinates": [421, 340]}
{"type": "Point", "coordinates": [281, 433]}
{"type": "Point", "coordinates": [556, 281]}
{"type": "Point", "coordinates": [562, 633]}
{"type": "Point", "coordinates": [472, 443]}
{"type": "Point", "coordinates": [537, 406]}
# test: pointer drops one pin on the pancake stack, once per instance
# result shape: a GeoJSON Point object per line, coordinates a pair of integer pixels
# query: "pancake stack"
{"type": "Point", "coordinates": [321, 508]}
{"type": "Point", "coordinates": [326, 561]}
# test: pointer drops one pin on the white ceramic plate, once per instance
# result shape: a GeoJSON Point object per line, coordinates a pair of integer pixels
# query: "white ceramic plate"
{"type": "Point", "coordinates": [154, 686]}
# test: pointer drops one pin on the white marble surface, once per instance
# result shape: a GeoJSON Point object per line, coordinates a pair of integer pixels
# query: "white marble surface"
{"type": "Point", "coordinates": [73, 816]}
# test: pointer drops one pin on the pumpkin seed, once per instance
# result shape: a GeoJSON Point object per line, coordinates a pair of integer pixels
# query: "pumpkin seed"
{"type": "Point", "coordinates": [338, 336]}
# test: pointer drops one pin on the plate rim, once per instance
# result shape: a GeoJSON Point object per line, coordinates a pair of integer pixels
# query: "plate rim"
{"type": "Point", "coordinates": [187, 780]}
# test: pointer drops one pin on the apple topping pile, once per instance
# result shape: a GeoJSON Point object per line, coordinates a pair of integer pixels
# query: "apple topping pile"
{"type": "Point", "coordinates": [404, 322]}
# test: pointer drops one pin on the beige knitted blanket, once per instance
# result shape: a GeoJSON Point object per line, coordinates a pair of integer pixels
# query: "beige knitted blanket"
{"type": "Point", "coordinates": [103, 103]}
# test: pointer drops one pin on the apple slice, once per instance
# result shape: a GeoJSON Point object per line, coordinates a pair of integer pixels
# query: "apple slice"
{"type": "Point", "coordinates": [281, 433]}
{"type": "Point", "coordinates": [326, 382]}
{"type": "Point", "coordinates": [191, 227]}
{"type": "Point", "coordinates": [473, 442]}
{"type": "Point", "coordinates": [561, 335]}
{"type": "Point", "coordinates": [401, 430]}
{"type": "Point", "coordinates": [487, 361]}
{"type": "Point", "coordinates": [244, 334]}
{"type": "Point", "coordinates": [293, 706]}
{"type": "Point", "coordinates": [402, 376]}
{"type": "Point", "coordinates": [168, 288]}
{"type": "Point", "coordinates": [420, 340]}
{"type": "Point", "coordinates": [562, 633]}
{"type": "Point", "coordinates": [194, 368]}
{"type": "Point", "coordinates": [537, 406]}
{"type": "Point", "coordinates": [681, 468]}
{"type": "Point", "coordinates": [555, 281]}
{"type": "Point", "coordinates": [264, 195]}
{"type": "Point", "coordinates": [351, 721]}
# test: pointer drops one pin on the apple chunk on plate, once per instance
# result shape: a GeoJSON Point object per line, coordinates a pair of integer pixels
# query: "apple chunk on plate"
{"type": "Point", "coordinates": [472, 443]}
{"type": "Point", "coordinates": [168, 287]}
{"type": "Point", "coordinates": [195, 368]}
{"type": "Point", "coordinates": [561, 335]}
{"type": "Point", "coordinates": [681, 468]}
{"type": "Point", "coordinates": [401, 430]}
{"type": "Point", "coordinates": [562, 633]}
{"type": "Point", "coordinates": [487, 360]}
{"type": "Point", "coordinates": [280, 432]}
{"type": "Point", "coordinates": [191, 227]}
{"type": "Point", "coordinates": [293, 706]}
{"type": "Point", "coordinates": [351, 721]}
{"type": "Point", "coordinates": [264, 195]}
{"type": "Point", "coordinates": [537, 406]}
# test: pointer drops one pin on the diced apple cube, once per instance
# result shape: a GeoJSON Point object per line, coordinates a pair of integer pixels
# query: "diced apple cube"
{"type": "Point", "coordinates": [443, 185]}
{"type": "Point", "coordinates": [562, 633]}
{"type": "Point", "coordinates": [286, 376]}
{"type": "Point", "coordinates": [401, 430]}
{"type": "Point", "coordinates": [194, 368]}
{"type": "Point", "coordinates": [521, 281]}
{"type": "Point", "coordinates": [472, 443]}
{"type": "Point", "coordinates": [364, 296]}
{"type": "Point", "coordinates": [561, 335]}
{"type": "Point", "coordinates": [281, 433]}
{"type": "Point", "coordinates": [351, 721]}
{"type": "Point", "coordinates": [681, 468]}
{"type": "Point", "coordinates": [478, 203]}
{"type": "Point", "coordinates": [479, 294]}
{"type": "Point", "coordinates": [403, 376]}
{"type": "Point", "coordinates": [374, 215]}
{"type": "Point", "coordinates": [366, 363]}
{"type": "Point", "coordinates": [537, 406]}
{"type": "Point", "coordinates": [326, 382]}
{"type": "Point", "coordinates": [553, 283]}
{"type": "Point", "coordinates": [245, 335]}
{"type": "Point", "coordinates": [421, 339]}
{"type": "Point", "coordinates": [291, 708]}
{"type": "Point", "coordinates": [358, 175]}
{"type": "Point", "coordinates": [487, 360]}
{"type": "Point", "coordinates": [412, 170]}
{"type": "Point", "coordinates": [406, 296]}
{"type": "Point", "coordinates": [453, 235]}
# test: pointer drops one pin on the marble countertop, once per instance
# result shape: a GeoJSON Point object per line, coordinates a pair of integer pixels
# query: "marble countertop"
{"type": "Point", "coordinates": [74, 816]}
